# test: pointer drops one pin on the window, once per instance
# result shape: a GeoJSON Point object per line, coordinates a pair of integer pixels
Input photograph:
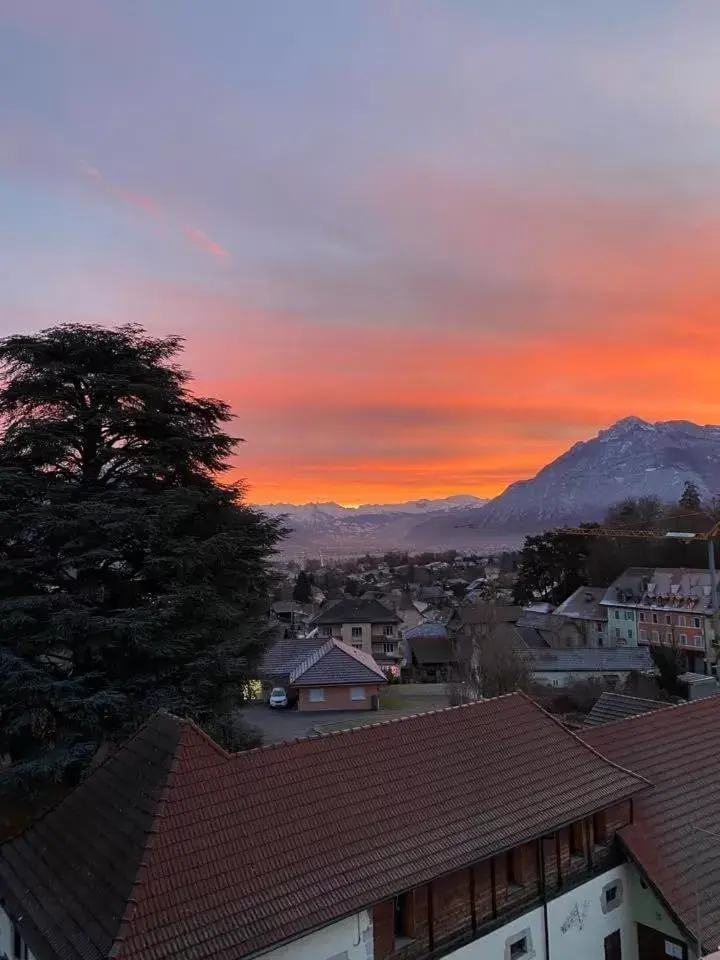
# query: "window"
{"type": "Point", "coordinates": [668, 619]}
{"type": "Point", "coordinates": [514, 867]}
{"type": "Point", "coordinates": [389, 630]}
{"type": "Point", "coordinates": [403, 920]}
{"type": "Point", "coordinates": [681, 621]}
{"type": "Point", "coordinates": [519, 946]}
{"type": "Point", "coordinates": [617, 633]}
{"type": "Point", "coordinates": [389, 648]}
{"type": "Point", "coordinates": [317, 695]}
{"type": "Point", "coordinates": [642, 616]}
{"type": "Point", "coordinates": [656, 636]}
{"type": "Point", "coordinates": [629, 615]}
{"type": "Point", "coordinates": [630, 636]}
{"type": "Point", "coordinates": [20, 950]}
{"type": "Point", "coordinates": [643, 636]}
{"type": "Point", "coordinates": [674, 950]}
{"type": "Point", "coordinates": [669, 638]}
{"type": "Point", "coordinates": [654, 618]}
{"type": "Point", "coordinates": [600, 828]}
{"type": "Point", "coordinates": [356, 632]}
{"type": "Point", "coordinates": [357, 693]}
{"type": "Point", "coordinates": [617, 614]}
{"type": "Point", "coordinates": [577, 839]}
{"type": "Point", "coordinates": [325, 631]}
{"type": "Point", "coordinates": [696, 622]}
{"type": "Point", "coordinates": [611, 896]}
{"type": "Point", "coordinates": [683, 638]}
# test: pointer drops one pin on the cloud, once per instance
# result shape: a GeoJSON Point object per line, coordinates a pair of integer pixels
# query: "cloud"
{"type": "Point", "coordinates": [150, 207]}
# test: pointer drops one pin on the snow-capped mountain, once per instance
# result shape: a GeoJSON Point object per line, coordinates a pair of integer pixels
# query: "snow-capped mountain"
{"type": "Point", "coordinates": [631, 458]}
{"type": "Point", "coordinates": [316, 512]}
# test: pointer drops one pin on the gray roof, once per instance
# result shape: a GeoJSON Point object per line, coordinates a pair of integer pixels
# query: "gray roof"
{"type": "Point", "coordinates": [617, 706]}
{"type": "Point", "coordinates": [584, 604]}
{"type": "Point", "coordinates": [539, 621]}
{"type": "Point", "coordinates": [437, 650]}
{"type": "Point", "coordinates": [336, 663]}
{"type": "Point", "coordinates": [487, 613]}
{"type": "Point", "coordinates": [533, 638]}
{"type": "Point", "coordinates": [600, 659]}
{"type": "Point", "coordinates": [356, 611]}
{"type": "Point", "coordinates": [283, 655]}
{"type": "Point", "coordinates": [665, 588]}
{"type": "Point", "coordinates": [432, 630]}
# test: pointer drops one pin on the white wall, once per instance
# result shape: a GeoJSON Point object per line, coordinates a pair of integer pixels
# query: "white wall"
{"type": "Point", "coordinates": [577, 924]}
{"type": "Point", "coordinates": [349, 939]}
{"type": "Point", "coordinates": [6, 936]}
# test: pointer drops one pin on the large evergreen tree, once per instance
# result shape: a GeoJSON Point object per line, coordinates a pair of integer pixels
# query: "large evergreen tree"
{"type": "Point", "coordinates": [130, 577]}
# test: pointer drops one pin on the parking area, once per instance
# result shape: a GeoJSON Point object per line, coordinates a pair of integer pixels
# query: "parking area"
{"type": "Point", "coordinates": [397, 701]}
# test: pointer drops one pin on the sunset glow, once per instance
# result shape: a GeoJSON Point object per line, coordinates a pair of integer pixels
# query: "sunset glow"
{"type": "Point", "coordinates": [421, 248]}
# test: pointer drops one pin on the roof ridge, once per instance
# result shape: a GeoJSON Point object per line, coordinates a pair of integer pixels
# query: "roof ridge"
{"type": "Point", "coordinates": [128, 916]}
{"type": "Point", "coordinates": [597, 753]}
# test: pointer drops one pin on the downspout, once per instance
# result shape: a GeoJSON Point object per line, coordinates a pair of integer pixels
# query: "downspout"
{"type": "Point", "coordinates": [543, 880]}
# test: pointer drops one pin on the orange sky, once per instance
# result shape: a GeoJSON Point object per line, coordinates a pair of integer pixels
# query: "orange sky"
{"type": "Point", "coordinates": [420, 248]}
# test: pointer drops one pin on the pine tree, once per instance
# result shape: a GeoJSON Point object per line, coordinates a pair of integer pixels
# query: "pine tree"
{"type": "Point", "coordinates": [690, 499]}
{"type": "Point", "coordinates": [130, 577]}
{"type": "Point", "coordinates": [302, 591]}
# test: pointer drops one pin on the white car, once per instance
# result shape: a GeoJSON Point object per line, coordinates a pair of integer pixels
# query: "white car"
{"type": "Point", "coordinates": [278, 698]}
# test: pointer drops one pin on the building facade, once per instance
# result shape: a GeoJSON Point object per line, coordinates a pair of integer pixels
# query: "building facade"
{"type": "Point", "coordinates": [366, 625]}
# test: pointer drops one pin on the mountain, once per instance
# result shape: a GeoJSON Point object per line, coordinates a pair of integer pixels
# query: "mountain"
{"type": "Point", "coordinates": [631, 458]}
{"type": "Point", "coordinates": [332, 528]}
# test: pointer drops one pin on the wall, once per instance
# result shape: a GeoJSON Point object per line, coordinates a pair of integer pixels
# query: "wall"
{"type": "Point", "coordinates": [344, 633]}
{"type": "Point", "coordinates": [349, 939]}
{"type": "Point", "coordinates": [6, 936]}
{"type": "Point", "coordinates": [628, 635]}
{"type": "Point", "coordinates": [647, 909]}
{"type": "Point", "coordinates": [556, 678]}
{"type": "Point", "coordinates": [338, 698]}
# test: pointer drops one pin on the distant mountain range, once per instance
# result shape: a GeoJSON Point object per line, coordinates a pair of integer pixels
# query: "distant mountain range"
{"type": "Point", "coordinates": [631, 458]}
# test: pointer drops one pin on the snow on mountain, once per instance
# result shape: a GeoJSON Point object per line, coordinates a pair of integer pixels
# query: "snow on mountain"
{"type": "Point", "coordinates": [631, 458]}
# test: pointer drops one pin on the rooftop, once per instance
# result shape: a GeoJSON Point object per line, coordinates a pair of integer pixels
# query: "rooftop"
{"type": "Point", "coordinates": [618, 706]}
{"type": "Point", "coordinates": [584, 604]}
{"type": "Point", "coordinates": [176, 849]}
{"type": "Point", "coordinates": [602, 659]}
{"type": "Point", "coordinates": [667, 588]}
{"type": "Point", "coordinates": [333, 663]}
{"type": "Point", "coordinates": [670, 748]}
{"type": "Point", "coordinates": [356, 611]}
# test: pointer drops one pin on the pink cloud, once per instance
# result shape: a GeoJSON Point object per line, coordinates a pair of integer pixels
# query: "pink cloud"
{"type": "Point", "coordinates": [151, 208]}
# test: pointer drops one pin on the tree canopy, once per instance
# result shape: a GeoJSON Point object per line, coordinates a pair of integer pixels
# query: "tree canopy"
{"type": "Point", "coordinates": [131, 578]}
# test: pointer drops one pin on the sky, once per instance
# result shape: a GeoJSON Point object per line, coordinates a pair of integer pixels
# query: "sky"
{"type": "Point", "coordinates": [420, 246]}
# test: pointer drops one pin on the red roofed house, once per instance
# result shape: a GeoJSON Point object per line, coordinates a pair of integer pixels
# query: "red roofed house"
{"type": "Point", "coordinates": [483, 831]}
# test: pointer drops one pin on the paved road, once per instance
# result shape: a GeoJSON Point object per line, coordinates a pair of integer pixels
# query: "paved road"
{"type": "Point", "coordinates": [279, 725]}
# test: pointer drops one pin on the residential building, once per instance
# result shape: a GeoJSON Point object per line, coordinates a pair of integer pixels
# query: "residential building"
{"type": "Point", "coordinates": [366, 625]}
{"type": "Point", "coordinates": [558, 668]}
{"type": "Point", "coordinates": [583, 620]}
{"type": "Point", "coordinates": [428, 653]}
{"type": "Point", "coordinates": [669, 607]}
{"type": "Point", "coordinates": [337, 677]}
{"type": "Point", "coordinates": [174, 849]}
{"type": "Point", "coordinates": [540, 628]}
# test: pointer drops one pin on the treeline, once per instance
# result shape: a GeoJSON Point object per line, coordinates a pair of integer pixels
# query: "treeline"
{"type": "Point", "coordinates": [555, 563]}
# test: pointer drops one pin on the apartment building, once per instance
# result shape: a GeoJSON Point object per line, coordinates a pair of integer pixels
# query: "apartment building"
{"type": "Point", "coordinates": [521, 842]}
{"type": "Point", "coordinates": [664, 607]}
{"type": "Point", "coordinates": [367, 625]}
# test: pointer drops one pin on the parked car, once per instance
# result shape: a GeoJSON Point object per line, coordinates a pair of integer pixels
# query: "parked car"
{"type": "Point", "coordinates": [278, 698]}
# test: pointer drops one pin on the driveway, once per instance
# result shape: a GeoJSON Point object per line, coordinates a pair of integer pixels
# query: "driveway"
{"type": "Point", "coordinates": [279, 725]}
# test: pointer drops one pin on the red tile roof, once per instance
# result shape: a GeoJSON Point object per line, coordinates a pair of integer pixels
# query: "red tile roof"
{"type": "Point", "coordinates": [251, 849]}
{"type": "Point", "coordinates": [673, 748]}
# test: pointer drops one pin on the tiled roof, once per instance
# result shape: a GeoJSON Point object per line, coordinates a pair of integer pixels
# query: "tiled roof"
{"type": "Point", "coordinates": [534, 638]}
{"type": "Point", "coordinates": [547, 622]}
{"type": "Point", "coordinates": [429, 630]}
{"type": "Point", "coordinates": [285, 654]}
{"type": "Point", "coordinates": [602, 659]}
{"type": "Point", "coordinates": [71, 874]}
{"type": "Point", "coordinates": [255, 848]}
{"type": "Point", "coordinates": [674, 749]}
{"type": "Point", "coordinates": [336, 663]}
{"type": "Point", "coordinates": [584, 604]}
{"type": "Point", "coordinates": [664, 588]}
{"type": "Point", "coordinates": [617, 706]}
{"type": "Point", "coordinates": [430, 649]}
{"type": "Point", "coordinates": [357, 611]}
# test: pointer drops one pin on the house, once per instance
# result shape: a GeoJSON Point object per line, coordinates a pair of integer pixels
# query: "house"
{"type": "Point", "coordinates": [428, 652]}
{"type": "Point", "coordinates": [483, 614]}
{"type": "Point", "coordinates": [558, 668]}
{"type": "Point", "coordinates": [291, 613]}
{"type": "Point", "coordinates": [174, 849]}
{"type": "Point", "coordinates": [540, 628]}
{"type": "Point", "coordinates": [669, 607]}
{"type": "Point", "coordinates": [673, 839]}
{"type": "Point", "coordinates": [583, 620]}
{"type": "Point", "coordinates": [325, 674]}
{"type": "Point", "coordinates": [335, 676]}
{"type": "Point", "coordinates": [366, 625]}
{"type": "Point", "coordinates": [619, 706]}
